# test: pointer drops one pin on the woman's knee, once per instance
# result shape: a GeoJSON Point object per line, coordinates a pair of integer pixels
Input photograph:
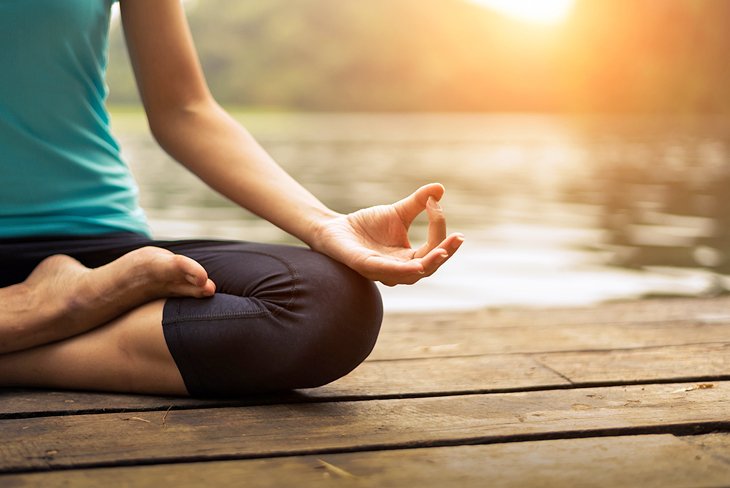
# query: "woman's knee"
{"type": "Point", "coordinates": [301, 321]}
{"type": "Point", "coordinates": [340, 317]}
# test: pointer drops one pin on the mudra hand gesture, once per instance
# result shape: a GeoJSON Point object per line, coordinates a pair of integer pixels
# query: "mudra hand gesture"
{"type": "Point", "coordinates": [374, 241]}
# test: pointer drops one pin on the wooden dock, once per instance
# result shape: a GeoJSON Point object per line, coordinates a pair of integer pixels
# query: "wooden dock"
{"type": "Point", "coordinates": [624, 394]}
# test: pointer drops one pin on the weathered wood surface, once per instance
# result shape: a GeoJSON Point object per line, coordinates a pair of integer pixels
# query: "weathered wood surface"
{"type": "Point", "coordinates": [716, 445]}
{"type": "Point", "coordinates": [699, 310]}
{"type": "Point", "coordinates": [29, 403]}
{"type": "Point", "coordinates": [276, 430]}
{"type": "Point", "coordinates": [373, 379]}
{"type": "Point", "coordinates": [642, 365]}
{"type": "Point", "coordinates": [428, 377]}
{"type": "Point", "coordinates": [566, 397]}
{"type": "Point", "coordinates": [457, 341]}
{"type": "Point", "coordinates": [653, 461]}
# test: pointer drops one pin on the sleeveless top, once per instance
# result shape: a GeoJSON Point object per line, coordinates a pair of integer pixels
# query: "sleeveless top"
{"type": "Point", "coordinates": [61, 172]}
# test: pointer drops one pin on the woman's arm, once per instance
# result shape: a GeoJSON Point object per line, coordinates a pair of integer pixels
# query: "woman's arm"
{"type": "Point", "coordinates": [195, 131]}
{"type": "Point", "coordinates": [188, 124]}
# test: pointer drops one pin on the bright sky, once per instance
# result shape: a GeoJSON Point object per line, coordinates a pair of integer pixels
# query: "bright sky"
{"type": "Point", "coordinates": [546, 12]}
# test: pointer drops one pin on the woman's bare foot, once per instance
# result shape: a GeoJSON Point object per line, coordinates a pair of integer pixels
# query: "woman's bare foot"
{"type": "Point", "coordinates": [62, 298]}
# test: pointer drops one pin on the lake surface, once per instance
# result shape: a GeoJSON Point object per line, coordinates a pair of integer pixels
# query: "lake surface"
{"type": "Point", "coordinates": [557, 210]}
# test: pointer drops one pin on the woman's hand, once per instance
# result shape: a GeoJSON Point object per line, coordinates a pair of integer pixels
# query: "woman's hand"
{"type": "Point", "coordinates": [374, 241]}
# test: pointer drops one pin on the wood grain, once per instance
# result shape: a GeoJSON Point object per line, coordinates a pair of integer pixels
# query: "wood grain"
{"type": "Point", "coordinates": [308, 428]}
{"type": "Point", "coordinates": [698, 310]}
{"type": "Point", "coordinates": [371, 380]}
{"type": "Point", "coordinates": [440, 376]}
{"type": "Point", "coordinates": [654, 461]}
{"type": "Point", "coordinates": [642, 365]}
{"type": "Point", "coordinates": [716, 445]}
{"type": "Point", "coordinates": [455, 341]}
{"type": "Point", "coordinates": [426, 377]}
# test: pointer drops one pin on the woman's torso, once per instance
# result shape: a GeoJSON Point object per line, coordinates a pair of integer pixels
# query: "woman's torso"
{"type": "Point", "coordinates": [60, 168]}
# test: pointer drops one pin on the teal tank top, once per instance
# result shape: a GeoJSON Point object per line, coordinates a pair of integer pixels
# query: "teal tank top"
{"type": "Point", "coordinates": [61, 172]}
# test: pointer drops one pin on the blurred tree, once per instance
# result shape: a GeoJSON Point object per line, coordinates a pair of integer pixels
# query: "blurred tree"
{"type": "Point", "coordinates": [647, 55]}
{"type": "Point", "coordinates": [617, 55]}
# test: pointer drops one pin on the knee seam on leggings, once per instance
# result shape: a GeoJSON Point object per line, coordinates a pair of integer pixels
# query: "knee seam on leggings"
{"type": "Point", "coordinates": [212, 318]}
{"type": "Point", "coordinates": [239, 315]}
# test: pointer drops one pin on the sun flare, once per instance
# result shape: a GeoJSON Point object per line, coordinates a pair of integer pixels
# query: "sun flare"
{"type": "Point", "coordinates": [546, 12]}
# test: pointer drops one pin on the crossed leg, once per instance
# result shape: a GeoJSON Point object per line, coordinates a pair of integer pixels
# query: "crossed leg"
{"type": "Point", "coordinates": [127, 354]}
{"type": "Point", "coordinates": [68, 326]}
{"type": "Point", "coordinates": [62, 298]}
{"type": "Point", "coordinates": [284, 318]}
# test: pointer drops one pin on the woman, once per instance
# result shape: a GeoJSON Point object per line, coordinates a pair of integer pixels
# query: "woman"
{"type": "Point", "coordinates": [90, 301]}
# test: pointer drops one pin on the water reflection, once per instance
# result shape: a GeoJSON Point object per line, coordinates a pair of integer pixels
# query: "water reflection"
{"type": "Point", "coordinates": [663, 192]}
{"type": "Point", "coordinates": [557, 210]}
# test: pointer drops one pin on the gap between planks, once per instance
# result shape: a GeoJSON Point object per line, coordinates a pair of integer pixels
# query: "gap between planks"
{"type": "Point", "coordinates": [659, 461]}
{"type": "Point", "coordinates": [302, 399]}
{"type": "Point", "coordinates": [286, 430]}
{"type": "Point", "coordinates": [676, 430]}
{"type": "Point", "coordinates": [425, 378]}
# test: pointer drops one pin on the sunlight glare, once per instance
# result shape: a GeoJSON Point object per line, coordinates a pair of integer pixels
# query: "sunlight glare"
{"type": "Point", "coordinates": [547, 12]}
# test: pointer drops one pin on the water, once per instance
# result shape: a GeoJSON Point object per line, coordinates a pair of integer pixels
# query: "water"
{"type": "Point", "coordinates": [557, 210]}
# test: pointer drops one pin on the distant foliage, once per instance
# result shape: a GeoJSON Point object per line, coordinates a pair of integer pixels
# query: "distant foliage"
{"type": "Point", "coordinates": [617, 55]}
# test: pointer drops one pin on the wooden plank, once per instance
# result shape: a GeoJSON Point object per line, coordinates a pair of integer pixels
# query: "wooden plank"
{"type": "Point", "coordinates": [16, 402]}
{"type": "Point", "coordinates": [440, 376]}
{"type": "Point", "coordinates": [536, 339]}
{"type": "Point", "coordinates": [371, 380]}
{"type": "Point", "coordinates": [701, 310]}
{"type": "Point", "coordinates": [654, 461]}
{"type": "Point", "coordinates": [716, 445]}
{"type": "Point", "coordinates": [642, 365]}
{"type": "Point", "coordinates": [423, 377]}
{"type": "Point", "coordinates": [309, 428]}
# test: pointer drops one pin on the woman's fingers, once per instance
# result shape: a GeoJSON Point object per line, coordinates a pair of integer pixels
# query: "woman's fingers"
{"type": "Point", "coordinates": [409, 208]}
{"type": "Point", "coordinates": [436, 228]}
{"type": "Point", "coordinates": [441, 253]}
{"type": "Point", "coordinates": [391, 271]}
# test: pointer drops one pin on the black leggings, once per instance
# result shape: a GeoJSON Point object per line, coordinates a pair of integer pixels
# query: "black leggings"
{"type": "Point", "coordinates": [283, 317]}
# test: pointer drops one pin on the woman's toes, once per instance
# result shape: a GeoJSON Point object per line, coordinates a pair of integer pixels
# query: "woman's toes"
{"type": "Point", "coordinates": [193, 280]}
{"type": "Point", "coordinates": [195, 274]}
{"type": "Point", "coordinates": [199, 292]}
{"type": "Point", "coordinates": [176, 274]}
{"type": "Point", "coordinates": [208, 289]}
